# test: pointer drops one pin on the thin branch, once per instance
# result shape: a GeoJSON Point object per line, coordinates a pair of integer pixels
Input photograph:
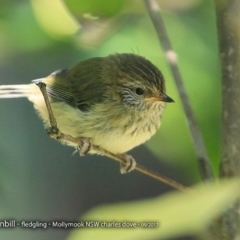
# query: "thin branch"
{"type": "Point", "coordinates": [200, 149]}
{"type": "Point", "coordinates": [121, 158]}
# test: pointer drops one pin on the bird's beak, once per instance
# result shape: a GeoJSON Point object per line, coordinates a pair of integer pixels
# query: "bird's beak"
{"type": "Point", "coordinates": [165, 98]}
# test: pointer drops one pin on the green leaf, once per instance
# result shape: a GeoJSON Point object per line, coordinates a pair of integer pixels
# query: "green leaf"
{"type": "Point", "coordinates": [95, 7]}
{"type": "Point", "coordinates": [59, 21]}
{"type": "Point", "coordinates": [176, 214]}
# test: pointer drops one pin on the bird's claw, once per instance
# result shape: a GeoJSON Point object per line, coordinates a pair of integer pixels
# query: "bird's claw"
{"type": "Point", "coordinates": [129, 164]}
{"type": "Point", "coordinates": [86, 146]}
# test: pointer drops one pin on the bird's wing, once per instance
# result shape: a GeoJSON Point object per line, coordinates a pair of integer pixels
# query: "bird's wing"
{"type": "Point", "coordinates": [79, 86]}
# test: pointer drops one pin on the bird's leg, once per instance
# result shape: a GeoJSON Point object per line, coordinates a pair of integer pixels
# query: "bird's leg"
{"type": "Point", "coordinates": [85, 147]}
{"type": "Point", "coordinates": [128, 165]}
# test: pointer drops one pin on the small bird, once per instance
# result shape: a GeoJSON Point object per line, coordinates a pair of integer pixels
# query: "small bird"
{"type": "Point", "coordinates": [116, 101]}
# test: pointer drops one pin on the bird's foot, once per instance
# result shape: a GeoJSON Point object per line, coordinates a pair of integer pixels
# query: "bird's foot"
{"type": "Point", "coordinates": [129, 164]}
{"type": "Point", "coordinates": [86, 146]}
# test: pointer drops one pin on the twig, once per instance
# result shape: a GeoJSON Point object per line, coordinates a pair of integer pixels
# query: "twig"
{"type": "Point", "coordinates": [120, 158]}
{"type": "Point", "coordinates": [51, 117]}
{"type": "Point", "coordinates": [200, 149]}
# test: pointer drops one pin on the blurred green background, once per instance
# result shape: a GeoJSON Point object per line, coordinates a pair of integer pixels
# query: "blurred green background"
{"type": "Point", "coordinates": [41, 179]}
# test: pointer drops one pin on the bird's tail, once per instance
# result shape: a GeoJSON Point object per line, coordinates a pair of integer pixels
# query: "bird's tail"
{"type": "Point", "coordinates": [16, 91]}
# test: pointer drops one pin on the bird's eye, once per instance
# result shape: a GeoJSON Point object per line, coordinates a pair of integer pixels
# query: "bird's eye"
{"type": "Point", "coordinates": [139, 91]}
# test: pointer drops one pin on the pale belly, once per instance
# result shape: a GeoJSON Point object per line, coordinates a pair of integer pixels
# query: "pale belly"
{"type": "Point", "coordinates": [110, 135]}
